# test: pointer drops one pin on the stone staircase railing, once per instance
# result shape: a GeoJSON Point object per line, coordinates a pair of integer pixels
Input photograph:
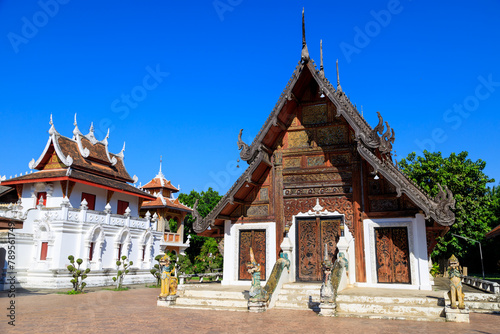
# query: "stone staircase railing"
{"type": "Point", "coordinates": [481, 284]}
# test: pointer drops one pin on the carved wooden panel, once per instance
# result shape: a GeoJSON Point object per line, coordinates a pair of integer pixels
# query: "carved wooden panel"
{"type": "Point", "coordinates": [257, 240]}
{"type": "Point", "coordinates": [380, 205]}
{"type": "Point", "coordinates": [313, 191]}
{"type": "Point", "coordinates": [315, 114]}
{"type": "Point", "coordinates": [298, 178]}
{"type": "Point", "coordinates": [340, 159]}
{"type": "Point", "coordinates": [341, 204]}
{"type": "Point", "coordinates": [312, 235]}
{"type": "Point", "coordinates": [264, 194]}
{"type": "Point", "coordinates": [309, 251]}
{"type": "Point", "coordinates": [393, 256]}
{"type": "Point", "coordinates": [257, 210]}
{"type": "Point", "coordinates": [332, 135]}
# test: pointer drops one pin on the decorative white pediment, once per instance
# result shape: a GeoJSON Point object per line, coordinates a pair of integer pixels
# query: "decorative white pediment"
{"type": "Point", "coordinates": [318, 210]}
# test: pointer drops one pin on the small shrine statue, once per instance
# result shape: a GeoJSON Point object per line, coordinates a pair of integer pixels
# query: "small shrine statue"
{"type": "Point", "coordinates": [455, 274]}
{"type": "Point", "coordinates": [168, 279]}
{"type": "Point", "coordinates": [257, 293]}
{"type": "Point", "coordinates": [326, 293]}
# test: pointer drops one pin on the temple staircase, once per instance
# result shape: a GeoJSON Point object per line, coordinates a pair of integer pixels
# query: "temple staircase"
{"type": "Point", "coordinates": [299, 296]}
{"type": "Point", "coordinates": [212, 296]}
{"type": "Point", "coordinates": [482, 302]}
{"type": "Point", "coordinates": [390, 304]}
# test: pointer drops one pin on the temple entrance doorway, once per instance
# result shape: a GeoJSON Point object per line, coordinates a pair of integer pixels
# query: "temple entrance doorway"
{"type": "Point", "coordinates": [257, 240]}
{"type": "Point", "coordinates": [393, 256]}
{"type": "Point", "coordinates": [312, 235]}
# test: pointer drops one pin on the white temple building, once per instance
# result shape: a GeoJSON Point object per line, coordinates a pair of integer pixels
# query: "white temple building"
{"type": "Point", "coordinates": [80, 202]}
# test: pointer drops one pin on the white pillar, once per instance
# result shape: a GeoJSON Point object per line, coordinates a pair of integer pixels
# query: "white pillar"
{"type": "Point", "coordinates": [229, 255]}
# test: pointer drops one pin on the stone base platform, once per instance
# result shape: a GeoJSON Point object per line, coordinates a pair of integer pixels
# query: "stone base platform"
{"type": "Point", "coordinates": [166, 301]}
{"type": "Point", "coordinates": [456, 315]}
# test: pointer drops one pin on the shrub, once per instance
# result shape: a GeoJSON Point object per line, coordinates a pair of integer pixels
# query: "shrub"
{"type": "Point", "coordinates": [122, 272]}
{"type": "Point", "coordinates": [78, 274]}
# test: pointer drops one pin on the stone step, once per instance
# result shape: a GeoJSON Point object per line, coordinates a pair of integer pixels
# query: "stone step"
{"type": "Point", "coordinates": [394, 310]}
{"type": "Point", "coordinates": [211, 302]}
{"type": "Point", "coordinates": [212, 308]}
{"type": "Point", "coordinates": [482, 297]}
{"type": "Point", "coordinates": [391, 300]}
{"type": "Point", "coordinates": [390, 317]}
{"type": "Point", "coordinates": [302, 286]}
{"type": "Point", "coordinates": [483, 307]}
{"type": "Point", "coordinates": [297, 305]}
{"type": "Point", "coordinates": [216, 294]}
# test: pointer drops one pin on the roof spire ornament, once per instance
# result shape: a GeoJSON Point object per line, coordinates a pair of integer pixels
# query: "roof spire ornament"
{"type": "Point", "coordinates": [50, 122]}
{"type": "Point", "coordinates": [339, 89]}
{"type": "Point", "coordinates": [321, 70]}
{"type": "Point", "coordinates": [305, 53]}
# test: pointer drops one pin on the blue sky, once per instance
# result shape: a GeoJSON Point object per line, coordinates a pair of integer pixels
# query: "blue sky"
{"type": "Point", "coordinates": [181, 78]}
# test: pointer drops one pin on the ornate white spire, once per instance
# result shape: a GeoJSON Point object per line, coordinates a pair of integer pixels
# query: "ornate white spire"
{"type": "Point", "coordinates": [321, 56]}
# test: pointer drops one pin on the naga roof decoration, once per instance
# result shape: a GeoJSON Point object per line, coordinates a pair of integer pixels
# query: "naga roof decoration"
{"type": "Point", "coordinates": [369, 140]}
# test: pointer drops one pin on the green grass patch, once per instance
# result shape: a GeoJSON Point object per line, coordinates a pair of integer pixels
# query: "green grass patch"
{"type": "Point", "coordinates": [71, 292]}
{"type": "Point", "coordinates": [153, 286]}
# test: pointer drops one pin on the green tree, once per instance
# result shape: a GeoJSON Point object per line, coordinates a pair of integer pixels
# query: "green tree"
{"type": "Point", "coordinates": [172, 225]}
{"type": "Point", "coordinates": [209, 257]}
{"type": "Point", "coordinates": [467, 181]}
{"type": "Point", "coordinates": [207, 200]}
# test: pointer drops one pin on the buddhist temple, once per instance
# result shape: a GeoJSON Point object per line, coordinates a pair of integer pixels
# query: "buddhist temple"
{"type": "Point", "coordinates": [80, 201]}
{"type": "Point", "coordinates": [319, 177]}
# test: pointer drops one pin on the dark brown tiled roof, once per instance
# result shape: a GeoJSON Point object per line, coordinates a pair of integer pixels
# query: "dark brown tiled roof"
{"type": "Point", "coordinates": [81, 177]}
{"type": "Point", "coordinates": [98, 152]}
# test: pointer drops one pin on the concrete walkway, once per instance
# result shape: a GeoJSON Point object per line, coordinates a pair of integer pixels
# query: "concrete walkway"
{"type": "Point", "coordinates": [135, 310]}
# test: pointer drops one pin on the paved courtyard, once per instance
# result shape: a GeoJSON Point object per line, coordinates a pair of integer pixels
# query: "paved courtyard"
{"type": "Point", "coordinates": [135, 310]}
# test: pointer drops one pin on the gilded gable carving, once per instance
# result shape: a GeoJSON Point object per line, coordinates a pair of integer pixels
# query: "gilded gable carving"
{"type": "Point", "coordinates": [332, 135]}
{"type": "Point", "coordinates": [298, 139]}
{"type": "Point", "coordinates": [291, 162]}
{"type": "Point", "coordinates": [316, 114]}
{"type": "Point", "coordinates": [315, 161]}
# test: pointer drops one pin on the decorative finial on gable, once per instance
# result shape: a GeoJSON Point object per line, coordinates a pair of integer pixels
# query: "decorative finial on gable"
{"type": "Point", "coordinates": [321, 70]}
{"type": "Point", "coordinates": [305, 53]}
{"type": "Point", "coordinates": [74, 123]}
{"type": "Point", "coordinates": [107, 135]}
{"type": "Point", "coordinates": [52, 129]}
{"type": "Point", "coordinates": [339, 89]}
{"type": "Point", "coordinates": [92, 127]}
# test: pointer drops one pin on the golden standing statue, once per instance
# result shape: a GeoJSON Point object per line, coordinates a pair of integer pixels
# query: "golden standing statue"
{"type": "Point", "coordinates": [168, 279]}
{"type": "Point", "coordinates": [455, 274]}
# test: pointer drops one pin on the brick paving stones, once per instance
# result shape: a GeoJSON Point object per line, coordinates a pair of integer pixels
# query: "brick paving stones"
{"type": "Point", "coordinates": [136, 311]}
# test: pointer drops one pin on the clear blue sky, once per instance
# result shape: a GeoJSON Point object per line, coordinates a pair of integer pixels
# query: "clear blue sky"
{"type": "Point", "coordinates": [221, 66]}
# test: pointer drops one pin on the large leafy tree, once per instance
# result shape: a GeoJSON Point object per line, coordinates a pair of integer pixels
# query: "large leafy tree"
{"type": "Point", "coordinates": [207, 200]}
{"type": "Point", "coordinates": [474, 206]}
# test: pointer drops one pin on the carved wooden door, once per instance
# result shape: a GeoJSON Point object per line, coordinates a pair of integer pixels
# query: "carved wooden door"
{"type": "Point", "coordinates": [312, 235]}
{"type": "Point", "coordinates": [257, 240]}
{"type": "Point", "coordinates": [393, 256]}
